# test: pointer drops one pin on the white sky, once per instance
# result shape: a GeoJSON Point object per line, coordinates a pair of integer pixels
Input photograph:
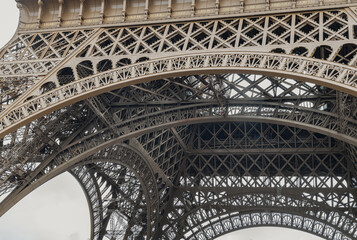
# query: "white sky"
{"type": "Point", "coordinates": [58, 210]}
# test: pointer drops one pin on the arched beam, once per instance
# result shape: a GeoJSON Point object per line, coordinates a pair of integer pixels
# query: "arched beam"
{"type": "Point", "coordinates": [85, 148]}
{"type": "Point", "coordinates": [286, 112]}
{"type": "Point", "coordinates": [260, 225]}
{"type": "Point", "coordinates": [273, 218]}
{"type": "Point", "coordinates": [193, 214]}
{"type": "Point", "coordinates": [196, 114]}
{"type": "Point", "coordinates": [90, 184]}
{"type": "Point", "coordinates": [337, 76]}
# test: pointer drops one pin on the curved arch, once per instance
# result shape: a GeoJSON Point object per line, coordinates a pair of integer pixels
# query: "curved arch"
{"type": "Point", "coordinates": [104, 65]}
{"type": "Point", "coordinates": [278, 50]}
{"type": "Point", "coordinates": [260, 219]}
{"type": "Point", "coordinates": [325, 73]}
{"type": "Point", "coordinates": [315, 217]}
{"type": "Point", "coordinates": [90, 154]}
{"type": "Point", "coordinates": [207, 113]}
{"type": "Point", "coordinates": [346, 53]}
{"type": "Point", "coordinates": [123, 62]}
{"type": "Point", "coordinates": [300, 51]}
{"type": "Point", "coordinates": [142, 59]}
{"type": "Point", "coordinates": [231, 232]}
{"type": "Point", "coordinates": [130, 158]}
{"type": "Point", "coordinates": [92, 214]}
{"type": "Point", "coordinates": [85, 69]}
{"type": "Point", "coordinates": [48, 86]}
{"type": "Point", "coordinates": [290, 114]}
{"type": "Point", "coordinates": [323, 52]}
{"type": "Point", "coordinates": [91, 184]}
{"type": "Point", "coordinates": [65, 76]}
{"type": "Point", "coordinates": [88, 146]}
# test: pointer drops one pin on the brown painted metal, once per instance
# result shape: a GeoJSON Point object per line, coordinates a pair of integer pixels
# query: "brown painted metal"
{"type": "Point", "coordinates": [186, 119]}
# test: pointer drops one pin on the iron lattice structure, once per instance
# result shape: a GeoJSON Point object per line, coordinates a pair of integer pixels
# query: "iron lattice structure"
{"type": "Point", "coordinates": [186, 119]}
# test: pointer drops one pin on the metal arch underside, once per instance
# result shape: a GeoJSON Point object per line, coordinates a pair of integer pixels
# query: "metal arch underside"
{"type": "Point", "coordinates": [159, 116]}
{"type": "Point", "coordinates": [275, 189]}
{"type": "Point", "coordinates": [188, 129]}
{"type": "Point", "coordinates": [113, 179]}
{"type": "Point", "coordinates": [132, 123]}
{"type": "Point", "coordinates": [282, 190]}
{"type": "Point", "coordinates": [330, 75]}
{"type": "Point", "coordinates": [304, 34]}
{"type": "Point", "coordinates": [234, 222]}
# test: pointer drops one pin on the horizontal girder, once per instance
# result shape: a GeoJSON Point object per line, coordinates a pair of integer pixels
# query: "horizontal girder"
{"type": "Point", "coordinates": [68, 14]}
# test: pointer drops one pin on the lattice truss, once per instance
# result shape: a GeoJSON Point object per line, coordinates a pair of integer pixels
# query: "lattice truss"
{"type": "Point", "coordinates": [325, 35]}
{"type": "Point", "coordinates": [192, 156]}
{"type": "Point", "coordinates": [302, 34]}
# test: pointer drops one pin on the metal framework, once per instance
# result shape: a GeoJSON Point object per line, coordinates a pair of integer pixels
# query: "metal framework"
{"type": "Point", "coordinates": [186, 119]}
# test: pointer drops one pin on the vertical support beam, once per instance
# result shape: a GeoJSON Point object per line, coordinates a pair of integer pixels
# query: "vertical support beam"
{"type": "Point", "coordinates": [146, 11]}
{"type": "Point", "coordinates": [292, 29]}
{"type": "Point", "coordinates": [351, 23]}
{"type": "Point", "coordinates": [341, 105]}
{"type": "Point", "coordinates": [241, 6]}
{"type": "Point", "coordinates": [267, 5]}
{"type": "Point", "coordinates": [169, 8]}
{"type": "Point", "coordinates": [216, 9]}
{"type": "Point", "coordinates": [193, 8]}
{"type": "Point", "coordinates": [39, 16]}
{"type": "Point", "coordinates": [26, 133]}
{"type": "Point", "coordinates": [124, 10]}
{"type": "Point", "coordinates": [321, 26]}
{"type": "Point", "coordinates": [102, 9]}
{"type": "Point", "coordinates": [80, 14]}
{"type": "Point", "coordinates": [293, 3]}
{"type": "Point", "coordinates": [60, 12]}
{"type": "Point", "coordinates": [265, 33]}
{"type": "Point", "coordinates": [353, 62]}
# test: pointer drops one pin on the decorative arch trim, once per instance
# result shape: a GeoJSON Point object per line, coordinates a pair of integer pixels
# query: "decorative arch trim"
{"type": "Point", "coordinates": [281, 220]}
{"type": "Point", "coordinates": [337, 76]}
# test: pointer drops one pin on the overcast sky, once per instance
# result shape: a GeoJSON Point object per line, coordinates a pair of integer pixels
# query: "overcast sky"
{"type": "Point", "coordinates": [58, 210]}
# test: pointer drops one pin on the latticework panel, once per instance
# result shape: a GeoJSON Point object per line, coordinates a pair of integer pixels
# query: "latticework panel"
{"type": "Point", "coordinates": [301, 34]}
{"type": "Point", "coordinates": [188, 129]}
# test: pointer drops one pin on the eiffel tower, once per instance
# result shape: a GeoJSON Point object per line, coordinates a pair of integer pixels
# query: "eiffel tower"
{"type": "Point", "coordinates": [186, 119]}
